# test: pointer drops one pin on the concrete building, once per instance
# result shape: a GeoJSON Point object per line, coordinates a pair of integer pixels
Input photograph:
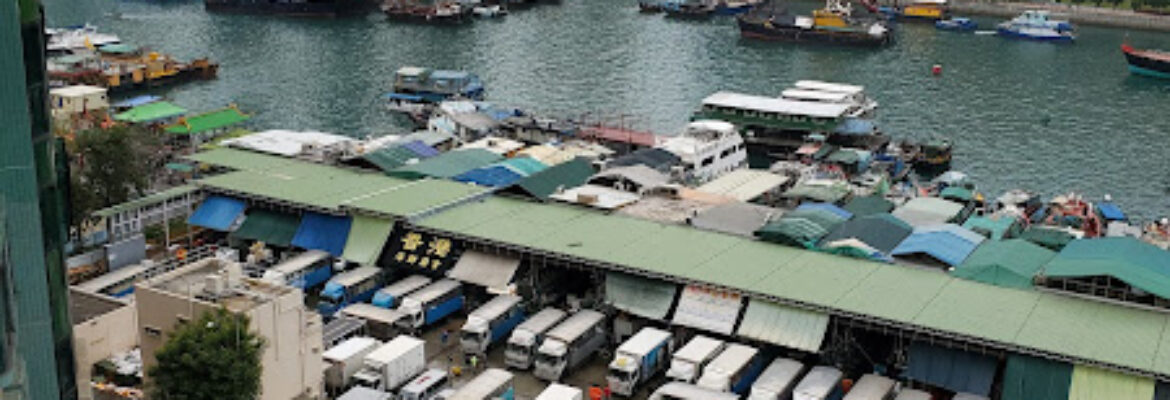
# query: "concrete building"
{"type": "Point", "coordinates": [102, 326]}
{"type": "Point", "coordinates": [72, 100]}
{"type": "Point", "coordinates": [36, 357]}
{"type": "Point", "coordinates": [291, 359]}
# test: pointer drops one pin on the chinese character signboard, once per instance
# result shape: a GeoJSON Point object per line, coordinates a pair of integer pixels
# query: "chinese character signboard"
{"type": "Point", "coordinates": [417, 251]}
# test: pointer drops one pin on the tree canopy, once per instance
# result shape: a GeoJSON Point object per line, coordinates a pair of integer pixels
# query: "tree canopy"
{"type": "Point", "coordinates": [213, 358]}
{"type": "Point", "coordinates": [110, 166]}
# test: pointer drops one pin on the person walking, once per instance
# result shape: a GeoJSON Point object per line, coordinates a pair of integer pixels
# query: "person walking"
{"type": "Point", "coordinates": [474, 362]}
{"type": "Point", "coordinates": [443, 338]}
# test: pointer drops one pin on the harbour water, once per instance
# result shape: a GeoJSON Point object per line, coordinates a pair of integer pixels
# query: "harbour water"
{"type": "Point", "coordinates": [1032, 115]}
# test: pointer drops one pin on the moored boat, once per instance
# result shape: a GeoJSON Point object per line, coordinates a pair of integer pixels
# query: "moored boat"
{"type": "Point", "coordinates": [1037, 25]}
{"type": "Point", "coordinates": [304, 8]}
{"type": "Point", "coordinates": [926, 10]}
{"type": "Point", "coordinates": [833, 24]}
{"type": "Point", "coordinates": [956, 24]}
{"type": "Point", "coordinates": [688, 9]}
{"type": "Point", "coordinates": [445, 12]}
{"type": "Point", "coordinates": [1153, 63]}
{"type": "Point", "coordinates": [734, 7]}
{"type": "Point", "coordinates": [650, 6]}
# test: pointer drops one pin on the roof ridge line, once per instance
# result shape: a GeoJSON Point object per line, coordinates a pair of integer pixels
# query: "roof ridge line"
{"type": "Point", "coordinates": [1040, 297]}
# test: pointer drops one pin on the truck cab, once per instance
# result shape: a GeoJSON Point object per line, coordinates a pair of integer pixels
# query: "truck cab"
{"type": "Point", "coordinates": [623, 373]}
{"type": "Point", "coordinates": [331, 298]}
{"type": "Point", "coordinates": [414, 313]}
{"type": "Point", "coordinates": [689, 361]}
{"type": "Point", "coordinates": [368, 377]}
{"type": "Point", "coordinates": [550, 359]}
{"type": "Point", "coordinates": [476, 335]}
{"type": "Point", "coordinates": [518, 353]}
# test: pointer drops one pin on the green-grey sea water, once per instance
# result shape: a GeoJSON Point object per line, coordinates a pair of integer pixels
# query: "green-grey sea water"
{"type": "Point", "coordinates": [1046, 117]}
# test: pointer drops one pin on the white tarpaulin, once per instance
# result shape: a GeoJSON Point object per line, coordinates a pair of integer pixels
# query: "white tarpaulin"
{"type": "Point", "coordinates": [639, 296]}
{"type": "Point", "coordinates": [487, 270]}
{"type": "Point", "coordinates": [783, 325]}
{"type": "Point", "coordinates": [708, 309]}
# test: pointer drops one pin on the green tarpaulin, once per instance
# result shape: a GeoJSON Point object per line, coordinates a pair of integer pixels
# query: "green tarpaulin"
{"type": "Point", "coordinates": [868, 205]}
{"type": "Point", "coordinates": [800, 228]}
{"type": "Point", "coordinates": [565, 175]}
{"type": "Point", "coordinates": [1031, 378]}
{"type": "Point", "coordinates": [997, 228]}
{"type": "Point", "coordinates": [1008, 263]}
{"type": "Point", "coordinates": [367, 236]}
{"type": "Point", "coordinates": [1050, 238]}
{"type": "Point", "coordinates": [1090, 383]}
{"type": "Point", "coordinates": [448, 164]}
{"type": "Point", "coordinates": [208, 122]}
{"type": "Point", "coordinates": [1139, 264]}
{"type": "Point", "coordinates": [643, 297]}
{"type": "Point", "coordinates": [956, 193]}
{"type": "Point", "coordinates": [151, 112]}
{"type": "Point", "coordinates": [390, 158]}
{"type": "Point", "coordinates": [831, 193]}
{"type": "Point", "coordinates": [271, 227]}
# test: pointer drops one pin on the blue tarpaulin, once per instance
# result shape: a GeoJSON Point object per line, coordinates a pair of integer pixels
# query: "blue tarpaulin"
{"type": "Point", "coordinates": [949, 243]}
{"type": "Point", "coordinates": [322, 232]}
{"type": "Point", "coordinates": [1111, 212]}
{"type": "Point", "coordinates": [491, 176]}
{"type": "Point", "coordinates": [841, 212]}
{"type": "Point", "coordinates": [951, 369]}
{"type": "Point", "coordinates": [421, 149]}
{"type": "Point", "coordinates": [136, 101]}
{"type": "Point", "coordinates": [217, 212]}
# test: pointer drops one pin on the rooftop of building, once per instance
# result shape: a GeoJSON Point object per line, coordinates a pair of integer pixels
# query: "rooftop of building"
{"type": "Point", "coordinates": [85, 306]}
{"type": "Point", "coordinates": [217, 281]}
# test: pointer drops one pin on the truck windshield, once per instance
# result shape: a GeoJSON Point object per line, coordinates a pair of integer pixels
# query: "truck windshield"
{"type": "Point", "coordinates": [470, 336]}
{"type": "Point", "coordinates": [548, 359]}
{"type": "Point", "coordinates": [518, 349]}
{"type": "Point", "coordinates": [620, 375]}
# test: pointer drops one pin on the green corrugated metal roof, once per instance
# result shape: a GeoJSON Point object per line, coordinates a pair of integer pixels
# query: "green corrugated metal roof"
{"type": "Point", "coordinates": [271, 227]}
{"type": "Point", "coordinates": [1089, 383]}
{"type": "Point", "coordinates": [1050, 238]}
{"type": "Point", "coordinates": [1008, 263]}
{"type": "Point", "coordinates": [524, 165]}
{"type": "Point", "coordinates": [367, 236]}
{"type": "Point", "coordinates": [1128, 259]}
{"type": "Point", "coordinates": [448, 164]}
{"type": "Point", "coordinates": [565, 175]}
{"type": "Point", "coordinates": [389, 158]}
{"type": "Point", "coordinates": [150, 199]}
{"type": "Point", "coordinates": [151, 112]}
{"type": "Point", "coordinates": [413, 197]}
{"type": "Point", "coordinates": [208, 122]}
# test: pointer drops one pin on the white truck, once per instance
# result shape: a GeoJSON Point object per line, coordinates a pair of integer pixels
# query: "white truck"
{"type": "Point", "coordinates": [526, 338]}
{"type": "Point", "coordinates": [491, 384]}
{"type": "Point", "coordinates": [686, 391]}
{"type": "Point", "coordinates": [777, 381]}
{"type": "Point", "coordinates": [393, 364]}
{"type": "Point", "coordinates": [690, 360]}
{"type": "Point", "coordinates": [872, 387]}
{"type": "Point", "coordinates": [425, 386]}
{"type": "Point", "coordinates": [490, 322]}
{"type": "Point", "coordinates": [556, 391]}
{"type": "Point", "coordinates": [638, 359]}
{"type": "Point", "coordinates": [344, 360]}
{"type": "Point", "coordinates": [734, 370]}
{"type": "Point", "coordinates": [390, 296]}
{"type": "Point", "coordinates": [365, 393]}
{"type": "Point", "coordinates": [821, 383]}
{"type": "Point", "coordinates": [912, 394]}
{"type": "Point", "coordinates": [569, 344]}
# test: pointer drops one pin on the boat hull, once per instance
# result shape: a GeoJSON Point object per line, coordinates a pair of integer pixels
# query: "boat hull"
{"type": "Point", "coordinates": [336, 8]}
{"type": "Point", "coordinates": [761, 31]}
{"type": "Point", "coordinates": [1147, 66]}
{"type": "Point", "coordinates": [685, 13]}
{"type": "Point", "coordinates": [1013, 34]}
{"type": "Point", "coordinates": [732, 10]}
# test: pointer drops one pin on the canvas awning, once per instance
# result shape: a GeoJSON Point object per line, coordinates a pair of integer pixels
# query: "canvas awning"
{"type": "Point", "coordinates": [952, 369]}
{"type": "Point", "coordinates": [1091, 383]}
{"type": "Point", "coordinates": [322, 232]}
{"type": "Point", "coordinates": [271, 227]}
{"type": "Point", "coordinates": [949, 244]}
{"type": "Point", "coordinates": [783, 325]}
{"type": "Point", "coordinates": [217, 212]}
{"type": "Point", "coordinates": [367, 237]}
{"type": "Point", "coordinates": [708, 309]}
{"type": "Point", "coordinates": [927, 211]}
{"type": "Point", "coordinates": [488, 270]}
{"type": "Point", "coordinates": [1010, 263]}
{"type": "Point", "coordinates": [639, 296]}
{"type": "Point", "coordinates": [1031, 378]}
{"type": "Point", "coordinates": [883, 232]}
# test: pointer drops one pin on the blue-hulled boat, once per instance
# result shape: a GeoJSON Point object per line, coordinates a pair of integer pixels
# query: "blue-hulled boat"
{"type": "Point", "coordinates": [956, 24]}
{"type": "Point", "coordinates": [1037, 25]}
{"type": "Point", "coordinates": [1147, 62]}
{"type": "Point", "coordinates": [433, 86]}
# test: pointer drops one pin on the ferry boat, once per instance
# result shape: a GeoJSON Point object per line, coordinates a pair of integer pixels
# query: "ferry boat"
{"type": "Point", "coordinates": [956, 24]}
{"type": "Point", "coordinates": [305, 8]}
{"type": "Point", "coordinates": [424, 85]}
{"type": "Point", "coordinates": [63, 41]}
{"type": "Point", "coordinates": [1037, 25]}
{"type": "Point", "coordinates": [833, 24]}
{"type": "Point", "coordinates": [1153, 63]}
{"type": "Point", "coordinates": [829, 92]}
{"type": "Point", "coordinates": [708, 149]}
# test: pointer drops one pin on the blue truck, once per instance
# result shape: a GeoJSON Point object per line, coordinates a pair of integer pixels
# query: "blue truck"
{"type": "Point", "coordinates": [490, 323]}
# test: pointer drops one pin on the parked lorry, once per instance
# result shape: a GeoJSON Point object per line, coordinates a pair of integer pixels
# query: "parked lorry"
{"type": "Point", "coordinates": [491, 384]}
{"type": "Point", "coordinates": [491, 322]}
{"type": "Point", "coordinates": [344, 360]}
{"type": "Point", "coordinates": [393, 364]}
{"type": "Point", "coordinates": [527, 337]}
{"type": "Point", "coordinates": [777, 381]}
{"type": "Point", "coordinates": [556, 391]}
{"type": "Point", "coordinates": [687, 391]}
{"type": "Point", "coordinates": [569, 344]}
{"type": "Point", "coordinates": [734, 370]}
{"type": "Point", "coordinates": [390, 296]}
{"type": "Point", "coordinates": [425, 386]}
{"type": "Point", "coordinates": [820, 383]}
{"type": "Point", "coordinates": [365, 393]}
{"type": "Point", "coordinates": [349, 287]}
{"type": "Point", "coordinates": [872, 387]}
{"type": "Point", "coordinates": [690, 360]}
{"type": "Point", "coordinates": [639, 359]}
{"type": "Point", "coordinates": [431, 304]}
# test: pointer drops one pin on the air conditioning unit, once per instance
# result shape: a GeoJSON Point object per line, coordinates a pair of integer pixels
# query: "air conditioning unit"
{"type": "Point", "coordinates": [214, 285]}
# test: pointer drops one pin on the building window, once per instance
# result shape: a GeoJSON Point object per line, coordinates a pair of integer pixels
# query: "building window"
{"type": "Point", "coordinates": [152, 331]}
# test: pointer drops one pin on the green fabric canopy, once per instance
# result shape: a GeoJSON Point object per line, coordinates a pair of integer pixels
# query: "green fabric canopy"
{"type": "Point", "coordinates": [868, 205]}
{"type": "Point", "coordinates": [150, 112]}
{"type": "Point", "coordinates": [367, 237]}
{"type": "Point", "coordinates": [1008, 263]}
{"type": "Point", "coordinates": [1139, 264]}
{"type": "Point", "coordinates": [831, 193]}
{"type": "Point", "coordinates": [994, 228]}
{"type": "Point", "coordinates": [800, 228]}
{"type": "Point", "coordinates": [1031, 378]}
{"type": "Point", "coordinates": [271, 227]}
{"type": "Point", "coordinates": [208, 122]}
{"type": "Point", "coordinates": [957, 193]}
{"type": "Point", "coordinates": [1050, 238]}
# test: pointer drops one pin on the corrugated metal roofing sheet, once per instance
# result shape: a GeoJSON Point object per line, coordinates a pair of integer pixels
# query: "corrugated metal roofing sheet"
{"type": "Point", "coordinates": [490, 176]}
{"type": "Point", "coordinates": [883, 232]}
{"type": "Point", "coordinates": [1130, 260]}
{"type": "Point", "coordinates": [524, 165]}
{"type": "Point", "coordinates": [838, 211]}
{"type": "Point", "coordinates": [785, 326]}
{"type": "Point", "coordinates": [927, 211]}
{"type": "Point", "coordinates": [994, 227]}
{"type": "Point", "coordinates": [565, 175]}
{"type": "Point", "coordinates": [367, 237]}
{"type": "Point", "coordinates": [744, 184]}
{"type": "Point", "coordinates": [148, 200]}
{"type": "Point", "coordinates": [448, 164]}
{"type": "Point", "coordinates": [867, 205]}
{"type": "Point", "coordinates": [949, 243]}
{"type": "Point", "coordinates": [217, 212]}
{"type": "Point", "coordinates": [210, 121]}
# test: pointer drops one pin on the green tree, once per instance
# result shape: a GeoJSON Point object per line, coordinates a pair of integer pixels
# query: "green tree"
{"type": "Point", "coordinates": [110, 166]}
{"type": "Point", "coordinates": [213, 358]}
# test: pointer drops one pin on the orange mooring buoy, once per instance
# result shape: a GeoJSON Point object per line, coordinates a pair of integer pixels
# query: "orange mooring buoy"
{"type": "Point", "coordinates": [936, 70]}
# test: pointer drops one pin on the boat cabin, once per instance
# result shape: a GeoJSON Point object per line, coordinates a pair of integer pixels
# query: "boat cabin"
{"type": "Point", "coordinates": [708, 149]}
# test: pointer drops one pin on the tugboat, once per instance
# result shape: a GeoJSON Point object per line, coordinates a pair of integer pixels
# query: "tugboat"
{"type": "Point", "coordinates": [1147, 62]}
{"type": "Point", "coordinates": [1037, 25]}
{"type": "Point", "coordinates": [302, 8]}
{"type": "Point", "coordinates": [833, 24]}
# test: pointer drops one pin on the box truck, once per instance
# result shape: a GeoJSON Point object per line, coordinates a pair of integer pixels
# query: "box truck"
{"type": "Point", "coordinates": [490, 322]}
{"type": "Point", "coordinates": [690, 360]}
{"type": "Point", "coordinates": [638, 359]}
{"type": "Point", "coordinates": [526, 338]}
{"type": "Point", "coordinates": [569, 344]}
{"type": "Point", "coordinates": [393, 364]}
{"type": "Point", "coordinates": [344, 360]}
